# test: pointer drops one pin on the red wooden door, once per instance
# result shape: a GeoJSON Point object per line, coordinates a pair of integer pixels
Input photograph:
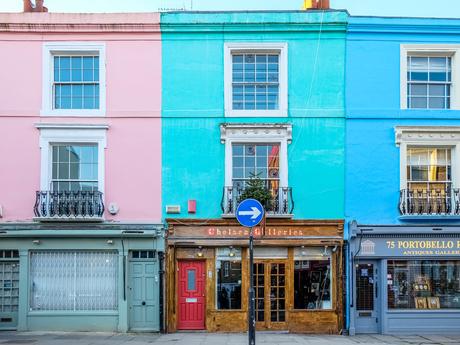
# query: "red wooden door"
{"type": "Point", "coordinates": [191, 294]}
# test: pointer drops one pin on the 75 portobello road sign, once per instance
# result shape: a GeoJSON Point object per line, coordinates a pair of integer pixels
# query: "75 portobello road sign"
{"type": "Point", "coordinates": [410, 247]}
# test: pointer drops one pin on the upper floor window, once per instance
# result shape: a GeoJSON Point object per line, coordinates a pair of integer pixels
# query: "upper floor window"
{"type": "Point", "coordinates": [429, 82]}
{"type": "Point", "coordinates": [429, 175]}
{"type": "Point", "coordinates": [429, 76]}
{"type": "Point", "coordinates": [72, 172]}
{"type": "Point", "coordinates": [73, 79]}
{"type": "Point", "coordinates": [72, 157]}
{"type": "Point", "coordinates": [251, 160]}
{"type": "Point", "coordinates": [256, 79]}
{"type": "Point", "coordinates": [75, 167]}
{"type": "Point", "coordinates": [76, 82]}
{"type": "Point", "coordinates": [429, 169]}
{"type": "Point", "coordinates": [256, 164]}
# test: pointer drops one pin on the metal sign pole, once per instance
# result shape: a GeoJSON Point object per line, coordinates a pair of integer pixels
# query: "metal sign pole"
{"type": "Point", "coordinates": [251, 316]}
{"type": "Point", "coordinates": [249, 213]}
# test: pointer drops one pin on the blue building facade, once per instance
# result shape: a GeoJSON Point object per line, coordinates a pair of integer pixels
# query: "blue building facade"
{"type": "Point", "coordinates": [402, 175]}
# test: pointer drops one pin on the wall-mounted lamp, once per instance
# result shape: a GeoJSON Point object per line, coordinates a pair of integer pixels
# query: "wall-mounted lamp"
{"type": "Point", "coordinates": [36, 242]}
{"type": "Point", "coordinates": [109, 241]}
{"type": "Point", "coordinates": [113, 208]}
{"type": "Point", "coordinates": [232, 252]}
{"type": "Point", "coordinates": [200, 252]}
{"type": "Point", "coordinates": [303, 251]}
{"type": "Point", "coordinates": [334, 249]}
{"type": "Point", "coordinates": [325, 252]}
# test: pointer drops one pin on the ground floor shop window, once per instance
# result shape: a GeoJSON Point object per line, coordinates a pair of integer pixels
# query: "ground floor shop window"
{"type": "Point", "coordinates": [73, 280]}
{"type": "Point", "coordinates": [228, 272]}
{"type": "Point", "coordinates": [312, 284]}
{"type": "Point", "coordinates": [423, 284]}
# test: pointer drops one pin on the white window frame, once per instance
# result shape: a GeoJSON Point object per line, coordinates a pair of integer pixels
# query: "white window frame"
{"type": "Point", "coordinates": [70, 134]}
{"type": "Point", "coordinates": [52, 48]}
{"type": "Point", "coordinates": [429, 50]}
{"type": "Point", "coordinates": [282, 49]}
{"type": "Point", "coordinates": [428, 136]}
{"type": "Point", "coordinates": [256, 133]}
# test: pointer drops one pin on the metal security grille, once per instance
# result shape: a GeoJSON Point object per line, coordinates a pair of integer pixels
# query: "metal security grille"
{"type": "Point", "coordinates": [365, 287]}
{"type": "Point", "coordinates": [74, 280]}
{"type": "Point", "coordinates": [9, 286]}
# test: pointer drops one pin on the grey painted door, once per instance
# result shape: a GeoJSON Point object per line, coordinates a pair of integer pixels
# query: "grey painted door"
{"type": "Point", "coordinates": [9, 294]}
{"type": "Point", "coordinates": [144, 296]}
{"type": "Point", "coordinates": [367, 297]}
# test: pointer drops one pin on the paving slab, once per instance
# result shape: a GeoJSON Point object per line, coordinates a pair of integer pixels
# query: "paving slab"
{"type": "Point", "coordinates": [200, 338]}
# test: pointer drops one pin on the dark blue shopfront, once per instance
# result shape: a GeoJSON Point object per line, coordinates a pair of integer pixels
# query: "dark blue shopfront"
{"type": "Point", "coordinates": [404, 279]}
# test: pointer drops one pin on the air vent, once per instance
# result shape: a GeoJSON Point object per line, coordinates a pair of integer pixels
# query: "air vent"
{"type": "Point", "coordinates": [9, 254]}
{"type": "Point", "coordinates": [173, 209]}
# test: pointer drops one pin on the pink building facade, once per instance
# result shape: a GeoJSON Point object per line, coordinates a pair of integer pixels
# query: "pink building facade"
{"type": "Point", "coordinates": [80, 148]}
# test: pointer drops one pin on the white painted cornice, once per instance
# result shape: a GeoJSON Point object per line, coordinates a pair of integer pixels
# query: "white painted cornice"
{"type": "Point", "coordinates": [426, 134]}
{"type": "Point", "coordinates": [245, 131]}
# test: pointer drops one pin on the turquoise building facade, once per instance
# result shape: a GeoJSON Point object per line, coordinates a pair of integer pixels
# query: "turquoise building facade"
{"type": "Point", "coordinates": [193, 105]}
{"type": "Point", "coordinates": [216, 131]}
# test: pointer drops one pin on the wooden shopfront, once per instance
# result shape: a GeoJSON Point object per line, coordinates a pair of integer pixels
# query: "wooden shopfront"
{"type": "Point", "coordinates": [298, 272]}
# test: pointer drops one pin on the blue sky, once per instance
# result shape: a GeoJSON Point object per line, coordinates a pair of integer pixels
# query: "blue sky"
{"type": "Point", "coordinates": [410, 8]}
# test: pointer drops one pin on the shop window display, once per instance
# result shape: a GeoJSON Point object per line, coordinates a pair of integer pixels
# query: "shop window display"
{"type": "Point", "coordinates": [423, 284]}
{"type": "Point", "coordinates": [312, 284]}
{"type": "Point", "coordinates": [228, 274]}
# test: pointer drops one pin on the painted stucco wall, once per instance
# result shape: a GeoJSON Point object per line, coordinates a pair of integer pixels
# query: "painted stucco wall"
{"type": "Point", "coordinates": [373, 110]}
{"type": "Point", "coordinates": [133, 78]}
{"type": "Point", "coordinates": [193, 106]}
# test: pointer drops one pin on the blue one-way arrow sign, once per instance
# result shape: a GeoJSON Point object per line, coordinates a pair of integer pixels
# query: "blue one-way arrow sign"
{"type": "Point", "coordinates": [249, 212]}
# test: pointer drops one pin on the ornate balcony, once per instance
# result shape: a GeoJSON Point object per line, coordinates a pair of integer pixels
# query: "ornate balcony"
{"type": "Point", "coordinates": [429, 203]}
{"type": "Point", "coordinates": [282, 204]}
{"type": "Point", "coordinates": [66, 205]}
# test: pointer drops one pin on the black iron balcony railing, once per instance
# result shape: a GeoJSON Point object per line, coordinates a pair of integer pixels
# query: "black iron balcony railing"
{"type": "Point", "coordinates": [429, 202]}
{"type": "Point", "coordinates": [69, 205]}
{"type": "Point", "coordinates": [282, 203]}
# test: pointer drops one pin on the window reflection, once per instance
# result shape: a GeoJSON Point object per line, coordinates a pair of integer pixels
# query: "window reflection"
{"type": "Point", "coordinates": [424, 284]}
{"type": "Point", "coordinates": [228, 273]}
{"type": "Point", "coordinates": [312, 287]}
{"type": "Point", "coordinates": [74, 167]}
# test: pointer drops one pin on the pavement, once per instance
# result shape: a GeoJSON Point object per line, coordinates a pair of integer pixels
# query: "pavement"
{"type": "Point", "coordinates": [262, 338]}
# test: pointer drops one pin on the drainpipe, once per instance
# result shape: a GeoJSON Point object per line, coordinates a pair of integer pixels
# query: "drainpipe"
{"type": "Point", "coordinates": [161, 258]}
{"type": "Point", "coordinates": [345, 287]}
